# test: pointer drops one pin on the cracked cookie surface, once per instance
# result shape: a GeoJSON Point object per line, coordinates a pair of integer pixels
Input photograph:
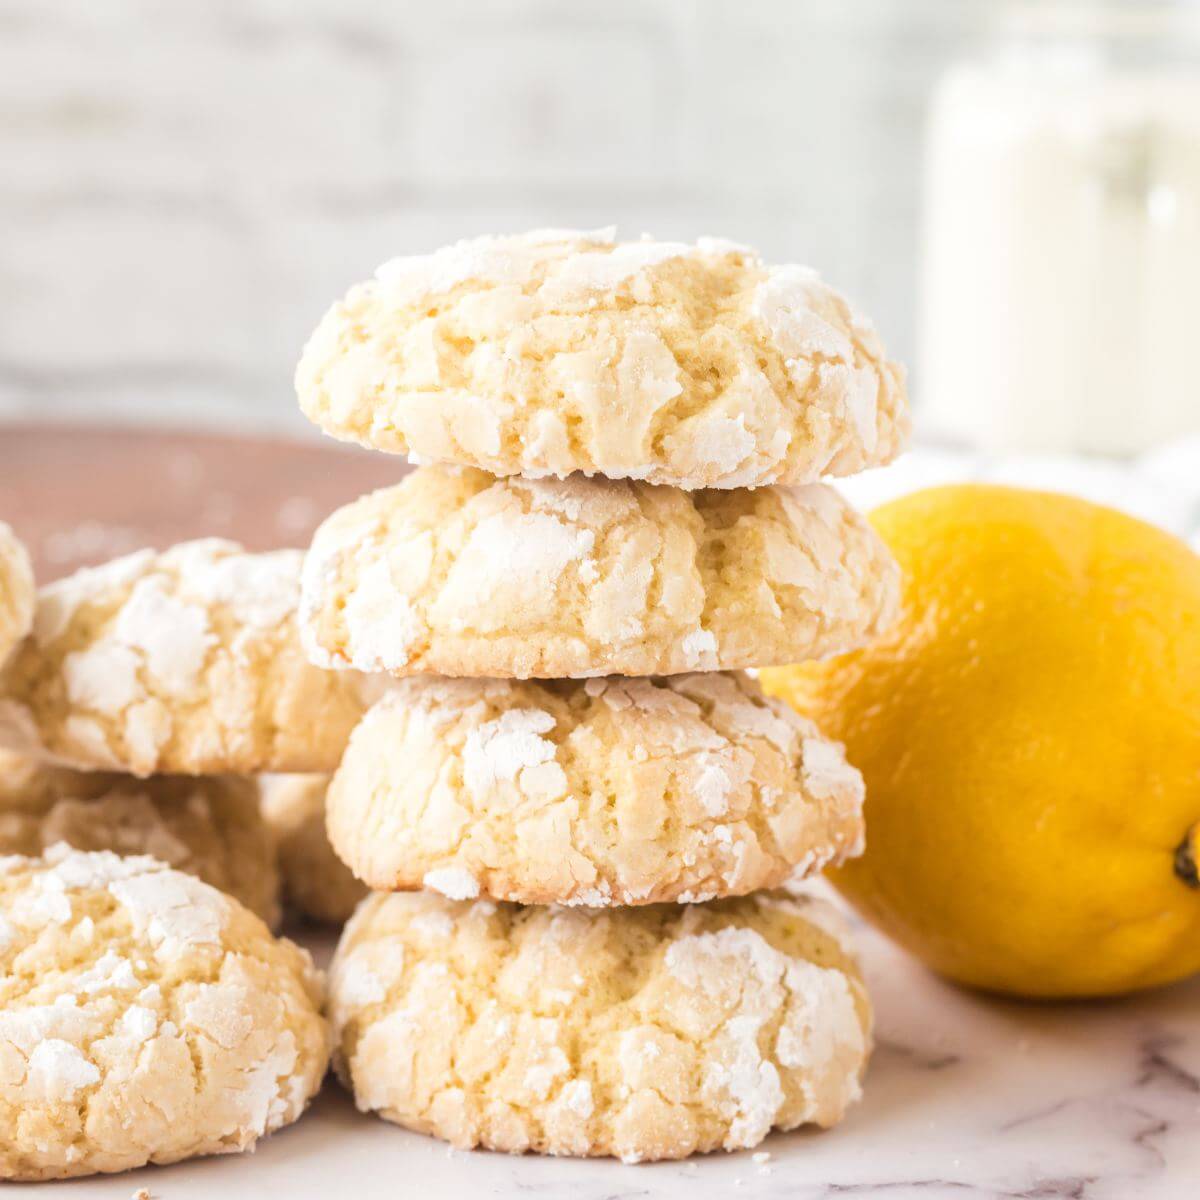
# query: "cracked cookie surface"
{"type": "Point", "coordinates": [144, 1018]}
{"type": "Point", "coordinates": [560, 351]}
{"type": "Point", "coordinates": [316, 883]}
{"type": "Point", "coordinates": [645, 1033]}
{"type": "Point", "coordinates": [184, 662]}
{"type": "Point", "coordinates": [207, 826]}
{"type": "Point", "coordinates": [601, 792]}
{"type": "Point", "coordinates": [455, 572]}
{"type": "Point", "coordinates": [17, 591]}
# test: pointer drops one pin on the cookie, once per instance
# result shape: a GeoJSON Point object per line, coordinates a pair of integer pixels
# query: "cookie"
{"type": "Point", "coordinates": [645, 1033]}
{"type": "Point", "coordinates": [599, 792]}
{"type": "Point", "coordinates": [186, 662]}
{"type": "Point", "coordinates": [207, 826]}
{"type": "Point", "coordinates": [17, 593]}
{"type": "Point", "coordinates": [557, 351]}
{"type": "Point", "coordinates": [454, 572]}
{"type": "Point", "coordinates": [317, 884]}
{"type": "Point", "coordinates": [145, 1017]}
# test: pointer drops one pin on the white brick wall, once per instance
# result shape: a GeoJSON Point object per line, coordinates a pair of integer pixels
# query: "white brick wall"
{"type": "Point", "coordinates": [187, 186]}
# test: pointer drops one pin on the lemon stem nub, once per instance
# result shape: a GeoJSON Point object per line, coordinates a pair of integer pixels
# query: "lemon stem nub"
{"type": "Point", "coordinates": [1185, 859]}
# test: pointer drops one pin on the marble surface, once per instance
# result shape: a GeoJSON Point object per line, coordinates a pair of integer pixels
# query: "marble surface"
{"type": "Point", "coordinates": [967, 1097]}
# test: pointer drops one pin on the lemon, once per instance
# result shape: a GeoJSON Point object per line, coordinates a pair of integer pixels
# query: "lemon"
{"type": "Point", "coordinates": [1029, 732]}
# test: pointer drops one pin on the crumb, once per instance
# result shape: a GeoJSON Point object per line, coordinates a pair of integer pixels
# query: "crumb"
{"type": "Point", "coordinates": [762, 1156]}
{"type": "Point", "coordinates": [142, 1194]}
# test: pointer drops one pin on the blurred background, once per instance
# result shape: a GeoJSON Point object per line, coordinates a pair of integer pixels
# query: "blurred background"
{"type": "Point", "coordinates": [188, 186]}
{"type": "Point", "coordinates": [1012, 191]}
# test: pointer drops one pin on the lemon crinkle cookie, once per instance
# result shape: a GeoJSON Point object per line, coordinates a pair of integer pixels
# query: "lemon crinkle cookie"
{"type": "Point", "coordinates": [599, 792]}
{"type": "Point", "coordinates": [186, 662]}
{"type": "Point", "coordinates": [17, 593]}
{"type": "Point", "coordinates": [560, 351]}
{"type": "Point", "coordinates": [316, 883]}
{"type": "Point", "coordinates": [207, 826]}
{"type": "Point", "coordinates": [144, 1018]}
{"type": "Point", "coordinates": [645, 1033]}
{"type": "Point", "coordinates": [455, 572]}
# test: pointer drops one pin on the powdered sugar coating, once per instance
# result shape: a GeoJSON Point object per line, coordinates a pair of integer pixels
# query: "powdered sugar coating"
{"type": "Point", "coordinates": [458, 573]}
{"type": "Point", "coordinates": [454, 883]}
{"type": "Point", "coordinates": [186, 661]}
{"type": "Point", "coordinates": [608, 791]}
{"type": "Point", "coordinates": [17, 592]}
{"type": "Point", "coordinates": [208, 826]}
{"type": "Point", "coordinates": [558, 351]}
{"type": "Point", "coordinates": [644, 1033]}
{"type": "Point", "coordinates": [144, 1017]}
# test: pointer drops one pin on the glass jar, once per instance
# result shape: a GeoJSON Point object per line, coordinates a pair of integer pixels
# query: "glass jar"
{"type": "Point", "coordinates": [1061, 269]}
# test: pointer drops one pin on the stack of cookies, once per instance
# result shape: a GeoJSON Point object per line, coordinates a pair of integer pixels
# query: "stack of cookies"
{"type": "Point", "coordinates": [147, 1013]}
{"type": "Point", "coordinates": [616, 515]}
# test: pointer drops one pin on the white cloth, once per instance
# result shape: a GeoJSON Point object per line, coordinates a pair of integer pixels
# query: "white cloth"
{"type": "Point", "coordinates": [1162, 486]}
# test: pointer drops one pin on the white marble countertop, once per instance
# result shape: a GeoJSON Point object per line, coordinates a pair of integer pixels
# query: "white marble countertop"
{"type": "Point", "coordinates": [966, 1097]}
